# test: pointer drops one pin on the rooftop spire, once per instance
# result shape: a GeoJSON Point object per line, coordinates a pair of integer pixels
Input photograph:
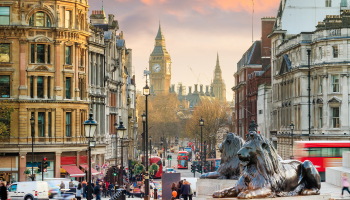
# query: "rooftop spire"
{"type": "Point", "coordinates": [217, 60]}
{"type": "Point", "coordinates": [160, 33]}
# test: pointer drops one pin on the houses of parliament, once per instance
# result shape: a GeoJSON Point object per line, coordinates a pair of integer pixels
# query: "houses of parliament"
{"type": "Point", "coordinates": [160, 78]}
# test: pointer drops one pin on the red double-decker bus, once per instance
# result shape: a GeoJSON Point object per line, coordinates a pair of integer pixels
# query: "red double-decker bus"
{"type": "Point", "coordinates": [321, 153]}
{"type": "Point", "coordinates": [182, 160]}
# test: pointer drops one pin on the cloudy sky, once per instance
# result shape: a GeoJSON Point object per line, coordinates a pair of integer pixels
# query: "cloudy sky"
{"type": "Point", "coordinates": [194, 31]}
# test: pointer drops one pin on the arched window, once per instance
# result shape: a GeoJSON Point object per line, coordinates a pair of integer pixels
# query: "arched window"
{"type": "Point", "coordinates": [40, 19]}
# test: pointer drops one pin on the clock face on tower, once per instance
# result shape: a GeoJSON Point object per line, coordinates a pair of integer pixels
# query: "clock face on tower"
{"type": "Point", "coordinates": [156, 67]}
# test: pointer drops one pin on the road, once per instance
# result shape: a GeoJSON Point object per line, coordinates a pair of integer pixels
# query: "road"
{"type": "Point", "coordinates": [185, 173]}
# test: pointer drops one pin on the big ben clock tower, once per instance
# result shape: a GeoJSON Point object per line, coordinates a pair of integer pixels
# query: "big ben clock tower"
{"type": "Point", "coordinates": [160, 65]}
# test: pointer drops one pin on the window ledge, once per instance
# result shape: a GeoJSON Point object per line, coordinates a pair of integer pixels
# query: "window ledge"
{"type": "Point", "coordinates": [6, 63]}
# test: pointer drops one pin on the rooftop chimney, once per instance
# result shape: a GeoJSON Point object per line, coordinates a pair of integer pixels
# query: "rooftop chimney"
{"type": "Point", "coordinates": [201, 90]}
{"type": "Point", "coordinates": [207, 90]}
{"type": "Point", "coordinates": [190, 90]}
{"type": "Point", "coordinates": [195, 88]}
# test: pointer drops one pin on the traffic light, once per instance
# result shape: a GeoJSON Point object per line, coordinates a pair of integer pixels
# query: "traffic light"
{"type": "Point", "coordinates": [39, 168]}
{"type": "Point", "coordinates": [193, 168]}
{"type": "Point", "coordinates": [115, 172]}
{"type": "Point", "coordinates": [45, 164]}
{"type": "Point", "coordinates": [199, 168]}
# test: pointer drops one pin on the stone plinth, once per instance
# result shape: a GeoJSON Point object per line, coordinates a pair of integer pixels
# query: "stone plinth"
{"type": "Point", "coordinates": [309, 197]}
{"type": "Point", "coordinates": [206, 187]}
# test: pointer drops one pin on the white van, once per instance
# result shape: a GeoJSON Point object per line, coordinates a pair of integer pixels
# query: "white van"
{"type": "Point", "coordinates": [31, 190]}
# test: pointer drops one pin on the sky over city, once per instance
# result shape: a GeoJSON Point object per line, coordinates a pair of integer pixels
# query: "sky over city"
{"type": "Point", "coordinates": [194, 31]}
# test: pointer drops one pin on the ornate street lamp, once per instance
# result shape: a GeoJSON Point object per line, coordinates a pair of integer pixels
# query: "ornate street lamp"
{"type": "Point", "coordinates": [90, 126]}
{"type": "Point", "coordinates": [146, 92]}
{"type": "Point", "coordinates": [292, 128]}
{"type": "Point", "coordinates": [143, 135]}
{"type": "Point", "coordinates": [201, 124]}
{"type": "Point", "coordinates": [32, 122]}
{"type": "Point", "coordinates": [121, 130]}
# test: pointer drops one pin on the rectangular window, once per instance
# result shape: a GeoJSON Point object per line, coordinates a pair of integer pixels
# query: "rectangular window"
{"type": "Point", "coordinates": [40, 53]}
{"type": "Point", "coordinates": [41, 124]}
{"type": "Point", "coordinates": [40, 87]}
{"type": "Point", "coordinates": [335, 117]}
{"type": "Point", "coordinates": [48, 54]}
{"type": "Point", "coordinates": [68, 84]}
{"type": "Point", "coordinates": [31, 87]}
{"type": "Point", "coordinates": [49, 124]}
{"type": "Point", "coordinates": [4, 15]}
{"type": "Point", "coordinates": [81, 88]}
{"type": "Point", "coordinates": [68, 124]}
{"type": "Point", "coordinates": [320, 84]}
{"type": "Point", "coordinates": [320, 114]}
{"type": "Point", "coordinates": [32, 53]}
{"type": "Point", "coordinates": [5, 86]}
{"type": "Point", "coordinates": [335, 83]}
{"type": "Point", "coordinates": [68, 54]}
{"type": "Point", "coordinates": [335, 51]}
{"type": "Point", "coordinates": [67, 19]}
{"type": "Point", "coordinates": [48, 87]}
{"type": "Point", "coordinates": [4, 52]}
{"type": "Point", "coordinates": [328, 3]}
{"type": "Point", "coordinates": [320, 52]}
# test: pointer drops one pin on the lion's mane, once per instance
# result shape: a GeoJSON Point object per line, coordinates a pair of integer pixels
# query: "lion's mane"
{"type": "Point", "coordinates": [229, 167]}
{"type": "Point", "coordinates": [268, 163]}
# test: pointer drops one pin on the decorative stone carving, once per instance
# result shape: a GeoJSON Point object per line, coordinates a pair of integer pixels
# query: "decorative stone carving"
{"type": "Point", "coordinates": [43, 39]}
{"type": "Point", "coordinates": [229, 167]}
{"type": "Point", "coordinates": [319, 100]}
{"type": "Point", "coordinates": [41, 68]}
{"type": "Point", "coordinates": [265, 174]}
{"type": "Point", "coordinates": [334, 100]}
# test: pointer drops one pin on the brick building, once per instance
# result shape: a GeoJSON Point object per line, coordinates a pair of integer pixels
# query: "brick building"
{"type": "Point", "coordinates": [253, 64]}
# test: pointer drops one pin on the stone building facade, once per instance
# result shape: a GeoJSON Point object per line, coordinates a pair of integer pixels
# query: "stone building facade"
{"type": "Point", "coordinates": [44, 75]}
{"type": "Point", "coordinates": [329, 80]}
{"type": "Point", "coordinates": [117, 89]}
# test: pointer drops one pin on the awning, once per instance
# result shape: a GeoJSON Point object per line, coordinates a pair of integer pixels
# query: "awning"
{"type": "Point", "coordinates": [93, 171]}
{"type": "Point", "coordinates": [73, 171]}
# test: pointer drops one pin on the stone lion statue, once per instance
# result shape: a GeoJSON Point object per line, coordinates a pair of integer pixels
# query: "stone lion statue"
{"type": "Point", "coordinates": [229, 167]}
{"type": "Point", "coordinates": [265, 175]}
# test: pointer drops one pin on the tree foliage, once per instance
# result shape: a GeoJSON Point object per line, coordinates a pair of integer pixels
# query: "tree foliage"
{"type": "Point", "coordinates": [215, 115]}
{"type": "Point", "coordinates": [6, 110]}
{"type": "Point", "coordinates": [162, 118]}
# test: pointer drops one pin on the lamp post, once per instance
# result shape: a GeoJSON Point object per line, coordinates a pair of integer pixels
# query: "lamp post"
{"type": "Point", "coordinates": [32, 121]}
{"type": "Point", "coordinates": [292, 128]}
{"type": "Point", "coordinates": [121, 132]}
{"type": "Point", "coordinates": [150, 150]}
{"type": "Point", "coordinates": [309, 90]}
{"type": "Point", "coordinates": [146, 92]}
{"type": "Point", "coordinates": [90, 126]}
{"type": "Point", "coordinates": [201, 124]}
{"type": "Point", "coordinates": [163, 154]}
{"type": "Point", "coordinates": [143, 135]}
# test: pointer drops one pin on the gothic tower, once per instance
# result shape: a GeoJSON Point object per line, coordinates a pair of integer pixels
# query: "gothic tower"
{"type": "Point", "coordinates": [160, 65]}
{"type": "Point", "coordinates": [218, 83]}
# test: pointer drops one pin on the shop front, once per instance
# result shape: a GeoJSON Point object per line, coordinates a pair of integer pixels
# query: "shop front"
{"type": "Point", "coordinates": [9, 167]}
{"type": "Point", "coordinates": [37, 160]}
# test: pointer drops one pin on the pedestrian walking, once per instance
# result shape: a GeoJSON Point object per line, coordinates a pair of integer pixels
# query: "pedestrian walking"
{"type": "Point", "coordinates": [131, 190]}
{"type": "Point", "coordinates": [185, 189]}
{"type": "Point", "coordinates": [71, 184]}
{"type": "Point", "coordinates": [84, 184]}
{"type": "Point", "coordinates": [191, 192]}
{"type": "Point", "coordinates": [79, 191]}
{"type": "Point", "coordinates": [179, 185]}
{"type": "Point", "coordinates": [3, 191]}
{"type": "Point", "coordinates": [97, 192]}
{"type": "Point", "coordinates": [345, 183]}
{"type": "Point", "coordinates": [173, 187]}
{"type": "Point", "coordinates": [142, 189]}
{"type": "Point", "coordinates": [62, 186]}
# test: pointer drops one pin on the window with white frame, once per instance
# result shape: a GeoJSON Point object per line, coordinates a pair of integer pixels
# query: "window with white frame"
{"type": "Point", "coordinates": [67, 16]}
{"type": "Point", "coordinates": [320, 84]}
{"type": "Point", "coordinates": [320, 115]}
{"type": "Point", "coordinates": [335, 51]}
{"type": "Point", "coordinates": [335, 83]}
{"type": "Point", "coordinates": [335, 117]}
{"type": "Point", "coordinates": [328, 3]}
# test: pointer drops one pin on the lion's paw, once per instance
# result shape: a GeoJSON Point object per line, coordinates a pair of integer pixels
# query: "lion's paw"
{"type": "Point", "coordinates": [219, 194]}
{"type": "Point", "coordinates": [310, 192]}
{"type": "Point", "coordinates": [245, 195]}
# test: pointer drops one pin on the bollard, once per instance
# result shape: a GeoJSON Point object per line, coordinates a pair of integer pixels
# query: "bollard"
{"type": "Point", "coordinates": [155, 195]}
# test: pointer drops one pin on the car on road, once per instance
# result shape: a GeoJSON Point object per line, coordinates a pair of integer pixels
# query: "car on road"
{"type": "Point", "coordinates": [31, 190]}
{"type": "Point", "coordinates": [170, 170]}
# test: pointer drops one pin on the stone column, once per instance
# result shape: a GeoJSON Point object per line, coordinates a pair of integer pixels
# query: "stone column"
{"type": "Point", "coordinates": [36, 123]}
{"type": "Point", "coordinates": [344, 108]}
{"type": "Point", "coordinates": [35, 84]}
{"type": "Point", "coordinates": [46, 123]}
{"type": "Point", "coordinates": [45, 87]}
{"type": "Point", "coordinates": [22, 166]}
{"type": "Point", "coordinates": [28, 90]}
{"type": "Point", "coordinates": [22, 69]}
{"type": "Point", "coordinates": [73, 123]}
{"type": "Point", "coordinates": [57, 169]}
{"type": "Point", "coordinates": [98, 73]}
{"type": "Point", "coordinates": [58, 89]}
{"type": "Point", "coordinates": [87, 71]}
{"type": "Point", "coordinates": [52, 85]}
{"type": "Point", "coordinates": [325, 120]}
{"type": "Point", "coordinates": [76, 75]}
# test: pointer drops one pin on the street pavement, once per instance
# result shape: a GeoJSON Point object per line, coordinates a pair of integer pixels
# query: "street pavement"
{"type": "Point", "coordinates": [185, 173]}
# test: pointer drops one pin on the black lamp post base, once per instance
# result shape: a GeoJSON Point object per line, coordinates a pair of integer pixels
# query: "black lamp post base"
{"type": "Point", "coordinates": [147, 198]}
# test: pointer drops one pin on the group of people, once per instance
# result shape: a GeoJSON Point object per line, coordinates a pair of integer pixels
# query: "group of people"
{"type": "Point", "coordinates": [183, 189]}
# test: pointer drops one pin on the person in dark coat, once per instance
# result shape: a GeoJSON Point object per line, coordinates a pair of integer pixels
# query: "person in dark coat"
{"type": "Point", "coordinates": [86, 191]}
{"type": "Point", "coordinates": [185, 189]}
{"type": "Point", "coordinates": [179, 185]}
{"type": "Point", "coordinates": [3, 191]}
